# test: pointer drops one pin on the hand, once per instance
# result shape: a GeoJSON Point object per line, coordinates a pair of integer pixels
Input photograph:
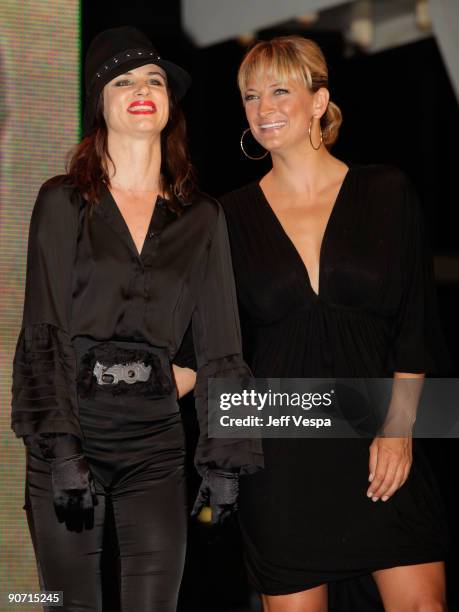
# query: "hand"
{"type": "Point", "coordinates": [73, 486]}
{"type": "Point", "coordinates": [390, 464]}
{"type": "Point", "coordinates": [72, 482]}
{"type": "Point", "coordinates": [219, 489]}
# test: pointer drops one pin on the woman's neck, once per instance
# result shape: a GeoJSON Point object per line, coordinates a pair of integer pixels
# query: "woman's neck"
{"type": "Point", "coordinates": [303, 171]}
{"type": "Point", "coordinates": [137, 163]}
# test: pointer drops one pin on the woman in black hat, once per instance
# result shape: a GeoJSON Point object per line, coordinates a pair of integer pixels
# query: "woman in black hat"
{"type": "Point", "coordinates": [125, 255]}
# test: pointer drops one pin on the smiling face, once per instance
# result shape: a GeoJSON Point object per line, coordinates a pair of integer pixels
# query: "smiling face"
{"type": "Point", "coordinates": [284, 88]}
{"type": "Point", "coordinates": [137, 102]}
{"type": "Point", "coordinates": [279, 113]}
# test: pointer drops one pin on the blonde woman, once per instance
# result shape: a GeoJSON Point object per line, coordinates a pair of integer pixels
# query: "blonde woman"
{"type": "Point", "coordinates": [332, 280]}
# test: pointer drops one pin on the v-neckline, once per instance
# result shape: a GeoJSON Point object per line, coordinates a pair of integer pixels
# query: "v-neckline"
{"type": "Point", "coordinates": [127, 231]}
{"type": "Point", "coordinates": [324, 235]}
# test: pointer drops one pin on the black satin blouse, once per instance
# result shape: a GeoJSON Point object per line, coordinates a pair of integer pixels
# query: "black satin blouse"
{"type": "Point", "coordinates": [85, 278]}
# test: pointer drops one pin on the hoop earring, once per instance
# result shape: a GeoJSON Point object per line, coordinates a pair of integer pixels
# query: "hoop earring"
{"type": "Point", "coordinates": [245, 152]}
{"type": "Point", "coordinates": [321, 136]}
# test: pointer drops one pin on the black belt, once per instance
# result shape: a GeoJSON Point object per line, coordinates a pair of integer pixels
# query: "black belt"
{"type": "Point", "coordinates": [122, 368]}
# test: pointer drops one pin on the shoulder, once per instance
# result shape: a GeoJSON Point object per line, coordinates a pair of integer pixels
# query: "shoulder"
{"type": "Point", "coordinates": [203, 204]}
{"type": "Point", "coordinates": [59, 185]}
{"type": "Point", "coordinates": [57, 203]}
{"type": "Point", "coordinates": [238, 206]}
{"type": "Point", "coordinates": [56, 192]}
{"type": "Point", "coordinates": [204, 207]}
{"type": "Point", "coordinates": [205, 211]}
{"type": "Point", "coordinates": [383, 177]}
{"type": "Point", "coordinates": [388, 187]}
{"type": "Point", "coordinates": [239, 198]}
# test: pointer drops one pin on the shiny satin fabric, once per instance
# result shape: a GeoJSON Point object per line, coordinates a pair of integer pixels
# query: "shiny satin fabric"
{"type": "Point", "coordinates": [136, 454]}
{"type": "Point", "coordinates": [137, 462]}
{"type": "Point", "coordinates": [85, 278]}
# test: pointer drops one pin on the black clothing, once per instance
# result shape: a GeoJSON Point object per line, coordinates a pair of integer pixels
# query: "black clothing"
{"type": "Point", "coordinates": [137, 460]}
{"type": "Point", "coordinates": [91, 296]}
{"type": "Point", "coordinates": [306, 519]}
{"type": "Point", "coordinates": [85, 278]}
{"type": "Point", "coordinates": [219, 490]}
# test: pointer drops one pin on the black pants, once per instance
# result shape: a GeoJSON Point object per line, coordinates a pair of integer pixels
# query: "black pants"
{"type": "Point", "coordinates": [138, 461]}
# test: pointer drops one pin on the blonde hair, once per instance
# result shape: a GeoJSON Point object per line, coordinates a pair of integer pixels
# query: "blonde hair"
{"type": "Point", "coordinates": [292, 58]}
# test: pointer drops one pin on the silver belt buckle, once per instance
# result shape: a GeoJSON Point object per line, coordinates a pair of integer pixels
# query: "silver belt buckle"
{"type": "Point", "coordinates": [129, 373]}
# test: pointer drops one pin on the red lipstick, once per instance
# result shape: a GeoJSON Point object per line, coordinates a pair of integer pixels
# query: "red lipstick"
{"type": "Point", "coordinates": [142, 107]}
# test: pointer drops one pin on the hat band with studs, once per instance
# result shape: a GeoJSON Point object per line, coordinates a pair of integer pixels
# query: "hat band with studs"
{"type": "Point", "coordinates": [120, 58]}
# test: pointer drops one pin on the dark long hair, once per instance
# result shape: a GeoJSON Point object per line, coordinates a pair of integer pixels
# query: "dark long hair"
{"type": "Point", "coordinates": [87, 166]}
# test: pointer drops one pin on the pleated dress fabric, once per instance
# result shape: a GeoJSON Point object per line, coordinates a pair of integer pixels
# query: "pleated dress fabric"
{"type": "Point", "coordinates": [305, 519]}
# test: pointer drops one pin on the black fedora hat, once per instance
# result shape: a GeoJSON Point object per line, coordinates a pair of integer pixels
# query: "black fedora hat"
{"type": "Point", "coordinates": [116, 51]}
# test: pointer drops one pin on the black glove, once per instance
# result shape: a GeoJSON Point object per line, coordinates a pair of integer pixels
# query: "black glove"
{"type": "Point", "coordinates": [219, 490]}
{"type": "Point", "coordinates": [73, 486]}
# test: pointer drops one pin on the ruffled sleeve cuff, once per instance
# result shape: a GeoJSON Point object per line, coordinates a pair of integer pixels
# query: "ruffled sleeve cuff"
{"type": "Point", "coordinates": [244, 456]}
{"type": "Point", "coordinates": [44, 389]}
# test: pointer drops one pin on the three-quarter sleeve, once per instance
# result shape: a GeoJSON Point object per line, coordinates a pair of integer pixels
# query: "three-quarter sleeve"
{"type": "Point", "coordinates": [418, 341]}
{"type": "Point", "coordinates": [44, 366]}
{"type": "Point", "coordinates": [217, 341]}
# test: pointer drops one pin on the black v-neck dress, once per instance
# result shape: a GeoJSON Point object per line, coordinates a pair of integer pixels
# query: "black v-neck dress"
{"type": "Point", "coordinates": [306, 519]}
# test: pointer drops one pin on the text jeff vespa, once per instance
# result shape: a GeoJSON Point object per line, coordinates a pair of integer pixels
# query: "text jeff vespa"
{"type": "Point", "coordinates": [260, 401]}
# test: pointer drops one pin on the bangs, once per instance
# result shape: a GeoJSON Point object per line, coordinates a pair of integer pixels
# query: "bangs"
{"type": "Point", "coordinates": [276, 61]}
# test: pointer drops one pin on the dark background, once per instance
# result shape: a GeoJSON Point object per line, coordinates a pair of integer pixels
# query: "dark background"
{"type": "Point", "coordinates": [399, 108]}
